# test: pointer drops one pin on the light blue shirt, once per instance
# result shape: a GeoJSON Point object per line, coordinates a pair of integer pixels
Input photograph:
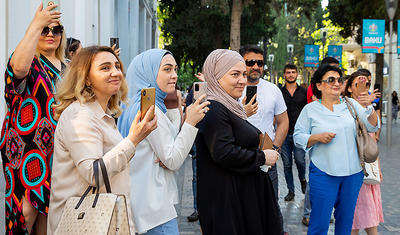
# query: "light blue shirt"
{"type": "Point", "coordinates": [340, 156]}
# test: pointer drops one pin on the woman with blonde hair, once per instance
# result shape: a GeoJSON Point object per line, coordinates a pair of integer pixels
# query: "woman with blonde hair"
{"type": "Point", "coordinates": [87, 102]}
{"type": "Point", "coordinates": [27, 135]}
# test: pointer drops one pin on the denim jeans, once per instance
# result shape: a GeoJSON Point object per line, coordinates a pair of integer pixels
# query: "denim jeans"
{"type": "Point", "coordinates": [307, 204]}
{"type": "Point", "coordinates": [168, 228]}
{"type": "Point", "coordinates": [288, 151]}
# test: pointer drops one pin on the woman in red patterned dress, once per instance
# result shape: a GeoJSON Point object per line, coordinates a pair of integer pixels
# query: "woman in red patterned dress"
{"type": "Point", "coordinates": [26, 142]}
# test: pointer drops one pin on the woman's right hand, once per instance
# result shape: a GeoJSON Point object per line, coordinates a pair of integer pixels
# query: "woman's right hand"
{"type": "Point", "coordinates": [140, 130]}
{"type": "Point", "coordinates": [45, 17]}
{"type": "Point", "coordinates": [326, 137]}
{"type": "Point", "coordinates": [271, 156]}
{"type": "Point", "coordinates": [196, 111]}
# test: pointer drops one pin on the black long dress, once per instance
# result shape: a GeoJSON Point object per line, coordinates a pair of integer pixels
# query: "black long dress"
{"type": "Point", "coordinates": [234, 196]}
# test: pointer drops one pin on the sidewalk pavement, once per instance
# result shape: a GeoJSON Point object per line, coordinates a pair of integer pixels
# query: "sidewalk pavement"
{"type": "Point", "coordinates": [293, 211]}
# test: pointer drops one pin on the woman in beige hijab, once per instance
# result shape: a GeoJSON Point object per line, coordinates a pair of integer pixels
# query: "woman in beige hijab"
{"type": "Point", "coordinates": [234, 195]}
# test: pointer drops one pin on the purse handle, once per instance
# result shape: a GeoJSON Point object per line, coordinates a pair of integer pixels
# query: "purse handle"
{"type": "Point", "coordinates": [351, 108]}
{"type": "Point", "coordinates": [97, 182]}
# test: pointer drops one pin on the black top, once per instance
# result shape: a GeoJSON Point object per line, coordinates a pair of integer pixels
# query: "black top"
{"type": "Point", "coordinates": [395, 100]}
{"type": "Point", "coordinates": [234, 195]}
{"type": "Point", "coordinates": [294, 104]}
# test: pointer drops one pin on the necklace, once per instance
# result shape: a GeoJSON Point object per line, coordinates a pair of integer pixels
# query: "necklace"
{"type": "Point", "coordinates": [340, 100]}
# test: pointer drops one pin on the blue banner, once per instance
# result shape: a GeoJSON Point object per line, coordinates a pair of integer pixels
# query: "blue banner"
{"type": "Point", "coordinates": [373, 40]}
{"type": "Point", "coordinates": [335, 52]}
{"type": "Point", "coordinates": [398, 41]}
{"type": "Point", "coordinates": [311, 55]}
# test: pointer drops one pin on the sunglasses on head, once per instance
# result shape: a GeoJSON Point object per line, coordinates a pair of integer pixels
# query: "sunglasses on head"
{"type": "Point", "coordinates": [56, 30]}
{"type": "Point", "coordinates": [251, 63]}
{"type": "Point", "coordinates": [332, 80]}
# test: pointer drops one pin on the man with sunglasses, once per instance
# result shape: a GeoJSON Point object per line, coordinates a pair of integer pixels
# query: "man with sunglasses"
{"type": "Point", "coordinates": [295, 98]}
{"type": "Point", "coordinates": [269, 107]}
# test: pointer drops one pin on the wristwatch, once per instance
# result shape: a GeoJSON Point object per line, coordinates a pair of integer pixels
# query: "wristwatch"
{"type": "Point", "coordinates": [276, 148]}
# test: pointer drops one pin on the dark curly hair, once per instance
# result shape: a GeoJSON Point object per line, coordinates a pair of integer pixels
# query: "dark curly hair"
{"type": "Point", "coordinates": [317, 77]}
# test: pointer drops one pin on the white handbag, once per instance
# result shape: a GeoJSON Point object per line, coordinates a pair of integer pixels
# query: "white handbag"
{"type": "Point", "coordinates": [374, 174]}
{"type": "Point", "coordinates": [97, 214]}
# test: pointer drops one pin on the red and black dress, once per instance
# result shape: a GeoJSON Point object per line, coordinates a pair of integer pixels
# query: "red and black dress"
{"type": "Point", "coordinates": [27, 140]}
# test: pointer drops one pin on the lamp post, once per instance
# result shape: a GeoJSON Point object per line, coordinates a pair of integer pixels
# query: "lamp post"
{"type": "Point", "coordinates": [271, 61]}
{"type": "Point", "coordinates": [391, 7]}
{"type": "Point", "coordinates": [323, 39]}
{"type": "Point", "coordinates": [290, 52]}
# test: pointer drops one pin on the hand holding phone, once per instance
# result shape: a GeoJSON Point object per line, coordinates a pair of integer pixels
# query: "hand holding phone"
{"type": "Point", "coordinates": [251, 91]}
{"type": "Point", "coordinates": [147, 99]}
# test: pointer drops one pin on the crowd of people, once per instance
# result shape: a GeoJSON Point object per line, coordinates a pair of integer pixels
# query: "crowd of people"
{"type": "Point", "coordinates": [70, 105]}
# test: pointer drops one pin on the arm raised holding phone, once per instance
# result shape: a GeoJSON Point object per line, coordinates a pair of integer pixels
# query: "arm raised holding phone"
{"type": "Point", "coordinates": [23, 55]}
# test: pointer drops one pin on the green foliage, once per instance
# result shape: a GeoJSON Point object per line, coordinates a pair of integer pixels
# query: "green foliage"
{"type": "Point", "coordinates": [349, 15]}
{"type": "Point", "coordinates": [296, 28]}
{"type": "Point", "coordinates": [333, 38]}
{"type": "Point", "coordinates": [186, 75]}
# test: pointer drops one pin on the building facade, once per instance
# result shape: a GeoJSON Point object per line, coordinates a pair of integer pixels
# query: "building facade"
{"type": "Point", "coordinates": [93, 22]}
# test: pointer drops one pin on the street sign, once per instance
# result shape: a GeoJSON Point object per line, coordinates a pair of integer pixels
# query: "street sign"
{"type": "Point", "coordinates": [336, 52]}
{"type": "Point", "coordinates": [373, 40]}
{"type": "Point", "coordinates": [311, 55]}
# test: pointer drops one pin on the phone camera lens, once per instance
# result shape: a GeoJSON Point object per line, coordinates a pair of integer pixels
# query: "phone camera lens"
{"type": "Point", "coordinates": [196, 87]}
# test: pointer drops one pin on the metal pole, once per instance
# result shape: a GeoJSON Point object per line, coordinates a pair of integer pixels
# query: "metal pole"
{"type": "Point", "coordinates": [389, 111]}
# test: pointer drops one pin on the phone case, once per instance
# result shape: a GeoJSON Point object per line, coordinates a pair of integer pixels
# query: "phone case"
{"type": "Point", "coordinates": [202, 90]}
{"type": "Point", "coordinates": [147, 99]}
{"type": "Point", "coordinates": [250, 92]}
{"type": "Point", "coordinates": [114, 41]}
{"type": "Point", "coordinates": [47, 3]}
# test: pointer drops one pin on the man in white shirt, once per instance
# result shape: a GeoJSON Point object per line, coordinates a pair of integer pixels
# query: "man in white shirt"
{"type": "Point", "coordinates": [269, 108]}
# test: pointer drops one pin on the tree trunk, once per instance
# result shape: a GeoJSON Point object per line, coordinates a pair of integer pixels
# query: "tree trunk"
{"type": "Point", "coordinates": [237, 7]}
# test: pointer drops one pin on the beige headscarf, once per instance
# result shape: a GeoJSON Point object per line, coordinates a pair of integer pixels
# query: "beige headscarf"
{"type": "Point", "coordinates": [217, 64]}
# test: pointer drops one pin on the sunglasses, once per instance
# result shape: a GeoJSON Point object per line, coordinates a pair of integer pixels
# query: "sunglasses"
{"type": "Point", "coordinates": [56, 31]}
{"type": "Point", "coordinates": [251, 63]}
{"type": "Point", "coordinates": [332, 80]}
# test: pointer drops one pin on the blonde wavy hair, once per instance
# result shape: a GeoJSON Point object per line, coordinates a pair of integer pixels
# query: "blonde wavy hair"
{"type": "Point", "coordinates": [60, 51]}
{"type": "Point", "coordinates": [73, 86]}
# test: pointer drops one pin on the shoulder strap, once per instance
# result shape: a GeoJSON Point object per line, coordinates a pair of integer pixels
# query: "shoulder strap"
{"type": "Point", "coordinates": [351, 107]}
{"type": "Point", "coordinates": [105, 175]}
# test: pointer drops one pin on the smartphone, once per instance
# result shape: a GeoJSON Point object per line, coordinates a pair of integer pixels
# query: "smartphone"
{"type": "Point", "coordinates": [250, 92]}
{"type": "Point", "coordinates": [361, 86]}
{"type": "Point", "coordinates": [114, 41]}
{"type": "Point", "coordinates": [47, 3]}
{"type": "Point", "coordinates": [147, 99]}
{"type": "Point", "coordinates": [200, 88]}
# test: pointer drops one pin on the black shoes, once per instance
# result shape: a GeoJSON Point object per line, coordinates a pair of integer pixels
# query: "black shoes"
{"type": "Point", "coordinates": [303, 186]}
{"type": "Point", "coordinates": [193, 217]}
{"type": "Point", "coordinates": [289, 196]}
